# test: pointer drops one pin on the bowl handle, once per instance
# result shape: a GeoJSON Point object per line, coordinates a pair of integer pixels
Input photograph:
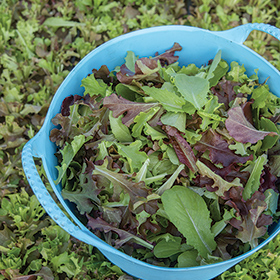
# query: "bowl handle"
{"type": "Point", "coordinates": [46, 200]}
{"type": "Point", "coordinates": [240, 33]}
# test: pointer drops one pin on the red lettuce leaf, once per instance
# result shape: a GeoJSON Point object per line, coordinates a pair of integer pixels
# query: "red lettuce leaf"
{"type": "Point", "coordinates": [241, 129]}
{"type": "Point", "coordinates": [124, 236]}
{"type": "Point", "coordinates": [218, 149]}
{"type": "Point", "coordinates": [147, 68]}
{"type": "Point", "coordinates": [228, 173]}
{"type": "Point", "coordinates": [251, 223]}
{"type": "Point", "coordinates": [103, 73]}
{"type": "Point", "coordinates": [225, 92]}
{"type": "Point", "coordinates": [67, 102]}
{"type": "Point", "coordinates": [120, 105]}
{"type": "Point", "coordinates": [182, 148]}
{"type": "Point", "coordinates": [168, 56]}
{"type": "Point", "coordinates": [268, 181]}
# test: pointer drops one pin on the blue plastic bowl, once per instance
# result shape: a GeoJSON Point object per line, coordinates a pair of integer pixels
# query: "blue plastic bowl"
{"type": "Point", "coordinates": [199, 46]}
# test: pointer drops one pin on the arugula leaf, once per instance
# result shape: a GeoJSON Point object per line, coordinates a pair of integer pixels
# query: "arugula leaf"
{"type": "Point", "coordinates": [181, 205]}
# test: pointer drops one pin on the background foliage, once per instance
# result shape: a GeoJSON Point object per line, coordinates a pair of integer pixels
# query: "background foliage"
{"type": "Point", "coordinates": [40, 42]}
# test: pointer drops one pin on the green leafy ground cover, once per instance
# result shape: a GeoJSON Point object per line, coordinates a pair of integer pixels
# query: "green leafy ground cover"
{"type": "Point", "coordinates": [40, 42]}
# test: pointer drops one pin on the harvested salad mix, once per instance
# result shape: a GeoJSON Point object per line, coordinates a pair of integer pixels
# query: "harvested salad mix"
{"type": "Point", "coordinates": [175, 166]}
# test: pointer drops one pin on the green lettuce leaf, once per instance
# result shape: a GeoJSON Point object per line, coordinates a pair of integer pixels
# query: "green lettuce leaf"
{"type": "Point", "coordinates": [193, 89]}
{"type": "Point", "coordinates": [68, 154]}
{"type": "Point", "coordinates": [188, 212]}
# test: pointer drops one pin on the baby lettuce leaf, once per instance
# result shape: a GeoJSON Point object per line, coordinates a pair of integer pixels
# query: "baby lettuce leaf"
{"type": "Point", "coordinates": [188, 212]}
{"type": "Point", "coordinates": [85, 196]}
{"type": "Point", "coordinates": [188, 259]}
{"type": "Point", "coordinates": [193, 89]}
{"type": "Point", "coordinates": [182, 148]}
{"type": "Point", "coordinates": [217, 69]}
{"type": "Point", "coordinates": [219, 151]}
{"type": "Point", "coordinates": [168, 247]}
{"type": "Point", "coordinates": [145, 69]}
{"type": "Point", "coordinates": [168, 56]}
{"type": "Point", "coordinates": [132, 153]}
{"type": "Point", "coordinates": [219, 183]}
{"type": "Point", "coordinates": [130, 60]}
{"type": "Point", "coordinates": [120, 105]}
{"type": "Point", "coordinates": [251, 230]}
{"type": "Point", "coordinates": [135, 190]}
{"type": "Point", "coordinates": [169, 100]}
{"type": "Point", "coordinates": [253, 182]}
{"type": "Point", "coordinates": [120, 131]}
{"type": "Point", "coordinates": [169, 183]}
{"type": "Point", "coordinates": [124, 236]}
{"type": "Point", "coordinates": [68, 154]}
{"type": "Point", "coordinates": [94, 86]}
{"type": "Point", "coordinates": [241, 129]}
{"type": "Point", "coordinates": [177, 120]}
{"type": "Point", "coordinates": [141, 120]}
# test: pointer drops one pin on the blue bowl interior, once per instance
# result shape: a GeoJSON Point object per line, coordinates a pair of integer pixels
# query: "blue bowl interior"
{"type": "Point", "coordinates": [199, 46]}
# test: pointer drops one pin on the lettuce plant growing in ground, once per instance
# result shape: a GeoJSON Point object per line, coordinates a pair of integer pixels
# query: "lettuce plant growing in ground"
{"type": "Point", "coordinates": [176, 166]}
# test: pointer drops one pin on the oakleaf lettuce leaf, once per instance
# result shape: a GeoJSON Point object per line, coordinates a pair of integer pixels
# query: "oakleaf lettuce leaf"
{"type": "Point", "coordinates": [219, 183]}
{"type": "Point", "coordinates": [94, 86]}
{"type": "Point", "coordinates": [119, 105]}
{"type": "Point", "coordinates": [218, 148]}
{"type": "Point", "coordinates": [188, 212]}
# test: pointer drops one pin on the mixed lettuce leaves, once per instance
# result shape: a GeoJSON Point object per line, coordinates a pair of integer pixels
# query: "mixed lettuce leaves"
{"type": "Point", "coordinates": [174, 165]}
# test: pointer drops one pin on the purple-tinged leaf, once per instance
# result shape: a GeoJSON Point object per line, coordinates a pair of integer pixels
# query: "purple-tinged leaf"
{"type": "Point", "coordinates": [135, 190]}
{"type": "Point", "coordinates": [67, 102]}
{"type": "Point", "coordinates": [168, 56]}
{"type": "Point", "coordinates": [241, 129]}
{"type": "Point", "coordinates": [120, 105]}
{"type": "Point", "coordinates": [124, 236]}
{"type": "Point", "coordinates": [182, 148]}
{"type": "Point", "coordinates": [219, 151]}
{"type": "Point", "coordinates": [225, 91]}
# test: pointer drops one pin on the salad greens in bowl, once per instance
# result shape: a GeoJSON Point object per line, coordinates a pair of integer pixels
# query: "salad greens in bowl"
{"type": "Point", "coordinates": [167, 162]}
{"type": "Point", "coordinates": [176, 166]}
